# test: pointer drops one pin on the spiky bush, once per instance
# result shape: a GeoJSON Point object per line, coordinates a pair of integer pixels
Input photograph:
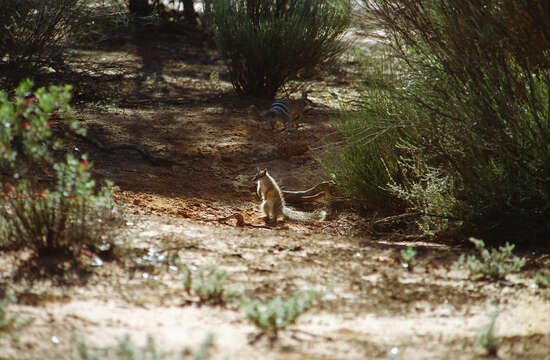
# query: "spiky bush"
{"type": "Point", "coordinates": [62, 217]}
{"type": "Point", "coordinates": [474, 106]}
{"type": "Point", "coordinates": [265, 43]}
{"type": "Point", "coordinates": [366, 160]}
{"type": "Point", "coordinates": [34, 32]}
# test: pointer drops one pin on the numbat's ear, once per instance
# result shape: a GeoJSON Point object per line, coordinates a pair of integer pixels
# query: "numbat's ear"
{"type": "Point", "coordinates": [259, 174]}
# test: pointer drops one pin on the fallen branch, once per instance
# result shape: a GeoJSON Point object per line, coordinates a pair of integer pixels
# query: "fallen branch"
{"type": "Point", "coordinates": [146, 154]}
{"type": "Point", "coordinates": [237, 216]}
{"type": "Point", "coordinates": [240, 221]}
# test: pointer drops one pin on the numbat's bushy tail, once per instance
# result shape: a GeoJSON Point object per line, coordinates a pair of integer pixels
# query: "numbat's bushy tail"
{"type": "Point", "coordinates": [273, 204]}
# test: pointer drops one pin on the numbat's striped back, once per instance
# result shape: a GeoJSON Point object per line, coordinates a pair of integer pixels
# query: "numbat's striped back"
{"type": "Point", "coordinates": [285, 112]}
{"type": "Point", "coordinates": [280, 108]}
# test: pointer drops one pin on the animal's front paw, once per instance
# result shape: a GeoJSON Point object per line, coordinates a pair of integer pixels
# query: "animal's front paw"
{"type": "Point", "coordinates": [268, 221]}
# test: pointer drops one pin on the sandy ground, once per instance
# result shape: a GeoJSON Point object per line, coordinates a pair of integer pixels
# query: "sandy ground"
{"type": "Point", "coordinates": [156, 89]}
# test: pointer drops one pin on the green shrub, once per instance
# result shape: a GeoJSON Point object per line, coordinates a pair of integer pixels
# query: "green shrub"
{"type": "Point", "coordinates": [127, 350]}
{"type": "Point", "coordinates": [265, 43]}
{"type": "Point", "coordinates": [477, 107]}
{"type": "Point", "coordinates": [60, 218]}
{"type": "Point", "coordinates": [367, 159]}
{"type": "Point", "coordinates": [542, 278]}
{"type": "Point", "coordinates": [10, 324]}
{"type": "Point", "coordinates": [427, 190]}
{"type": "Point", "coordinates": [494, 264]}
{"type": "Point", "coordinates": [278, 314]}
{"type": "Point", "coordinates": [408, 257]}
{"type": "Point", "coordinates": [33, 32]}
{"type": "Point", "coordinates": [209, 285]}
{"type": "Point", "coordinates": [487, 338]}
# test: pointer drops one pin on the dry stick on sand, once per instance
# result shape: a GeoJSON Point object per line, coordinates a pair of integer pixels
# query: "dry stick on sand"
{"type": "Point", "coordinates": [240, 221]}
{"type": "Point", "coordinates": [146, 154]}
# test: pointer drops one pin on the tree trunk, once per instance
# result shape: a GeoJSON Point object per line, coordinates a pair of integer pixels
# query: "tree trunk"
{"type": "Point", "coordinates": [189, 13]}
{"type": "Point", "coordinates": [140, 8]}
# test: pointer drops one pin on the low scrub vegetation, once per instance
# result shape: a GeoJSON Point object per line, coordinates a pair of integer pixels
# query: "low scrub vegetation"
{"type": "Point", "coordinates": [208, 284]}
{"type": "Point", "coordinates": [34, 32]}
{"type": "Point", "coordinates": [494, 264]}
{"type": "Point", "coordinates": [11, 323]}
{"type": "Point", "coordinates": [278, 314]}
{"type": "Point", "coordinates": [127, 350]}
{"type": "Point", "coordinates": [542, 278]}
{"type": "Point", "coordinates": [463, 102]}
{"type": "Point", "coordinates": [266, 43]}
{"type": "Point", "coordinates": [408, 258]}
{"type": "Point", "coordinates": [64, 213]}
{"type": "Point", "coordinates": [487, 338]}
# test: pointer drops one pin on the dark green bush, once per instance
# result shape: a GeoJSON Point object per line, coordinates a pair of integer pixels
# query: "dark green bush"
{"type": "Point", "coordinates": [475, 101]}
{"type": "Point", "coordinates": [366, 160]}
{"type": "Point", "coordinates": [365, 163]}
{"type": "Point", "coordinates": [61, 218]}
{"type": "Point", "coordinates": [265, 43]}
{"type": "Point", "coordinates": [33, 32]}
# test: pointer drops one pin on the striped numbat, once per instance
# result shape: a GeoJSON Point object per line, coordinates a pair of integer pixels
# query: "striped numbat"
{"type": "Point", "coordinates": [284, 113]}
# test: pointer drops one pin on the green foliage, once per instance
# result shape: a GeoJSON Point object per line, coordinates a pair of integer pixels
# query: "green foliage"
{"type": "Point", "coordinates": [266, 43]}
{"type": "Point", "coordinates": [408, 257]}
{"type": "Point", "coordinates": [367, 160]}
{"type": "Point", "coordinates": [474, 103]}
{"type": "Point", "coordinates": [278, 314]}
{"type": "Point", "coordinates": [487, 338]}
{"type": "Point", "coordinates": [425, 189]}
{"type": "Point", "coordinates": [126, 350]}
{"type": "Point", "coordinates": [102, 20]}
{"type": "Point", "coordinates": [208, 284]}
{"type": "Point", "coordinates": [10, 324]}
{"type": "Point", "coordinates": [33, 32]}
{"type": "Point", "coordinates": [542, 278]}
{"type": "Point", "coordinates": [64, 217]}
{"type": "Point", "coordinates": [365, 163]}
{"type": "Point", "coordinates": [494, 264]}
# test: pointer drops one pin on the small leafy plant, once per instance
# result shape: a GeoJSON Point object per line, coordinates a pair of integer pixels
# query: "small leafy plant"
{"type": "Point", "coordinates": [542, 278]}
{"type": "Point", "coordinates": [487, 338]}
{"type": "Point", "coordinates": [127, 350]}
{"type": "Point", "coordinates": [10, 324]}
{"type": "Point", "coordinates": [278, 314]}
{"type": "Point", "coordinates": [71, 211]}
{"type": "Point", "coordinates": [494, 264]}
{"type": "Point", "coordinates": [408, 257]}
{"type": "Point", "coordinates": [208, 284]}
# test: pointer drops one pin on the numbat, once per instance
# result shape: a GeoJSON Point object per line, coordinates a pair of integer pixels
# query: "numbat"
{"type": "Point", "coordinates": [273, 204]}
{"type": "Point", "coordinates": [284, 113]}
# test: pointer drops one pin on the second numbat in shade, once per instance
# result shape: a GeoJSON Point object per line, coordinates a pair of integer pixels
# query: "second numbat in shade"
{"type": "Point", "coordinates": [284, 113]}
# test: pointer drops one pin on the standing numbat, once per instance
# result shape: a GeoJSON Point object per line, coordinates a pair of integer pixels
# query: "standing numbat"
{"type": "Point", "coordinates": [284, 113]}
{"type": "Point", "coordinates": [273, 203]}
